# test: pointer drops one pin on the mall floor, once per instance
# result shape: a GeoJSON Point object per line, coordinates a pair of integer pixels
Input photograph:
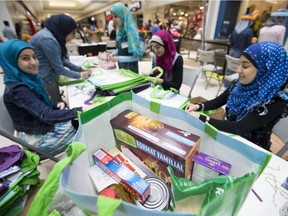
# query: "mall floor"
{"type": "Point", "coordinates": [145, 65]}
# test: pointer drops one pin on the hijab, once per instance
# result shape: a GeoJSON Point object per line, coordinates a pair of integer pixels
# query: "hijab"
{"type": "Point", "coordinates": [9, 54]}
{"type": "Point", "coordinates": [165, 61]}
{"type": "Point", "coordinates": [61, 25]}
{"type": "Point", "coordinates": [271, 61]}
{"type": "Point", "coordinates": [242, 25]}
{"type": "Point", "coordinates": [128, 28]}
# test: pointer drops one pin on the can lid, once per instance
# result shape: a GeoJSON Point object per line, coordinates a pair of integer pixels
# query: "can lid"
{"type": "Point", "coordinates": [159, 197]}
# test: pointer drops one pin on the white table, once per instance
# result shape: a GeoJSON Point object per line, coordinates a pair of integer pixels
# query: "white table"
{"type": "Point", "coordinates": [269, 189]}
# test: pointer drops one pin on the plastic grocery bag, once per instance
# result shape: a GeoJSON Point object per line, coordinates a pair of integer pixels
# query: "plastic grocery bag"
{"type": "Point", "coordinates": [95, 132]}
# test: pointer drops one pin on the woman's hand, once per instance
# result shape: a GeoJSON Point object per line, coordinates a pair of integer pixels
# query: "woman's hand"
{"type": "Point", "coordinates": [159, 81]}
{"type": "Point", "coordinates": [195, 114]}
{"type": "Point", "coordinates": [113, 58]}
{"type": "Point", "coordinates": [61, 105]}
{"type": "Point", "coordinates": [85, 73]}
{"type": "Point", "coordinates": [192, 107]}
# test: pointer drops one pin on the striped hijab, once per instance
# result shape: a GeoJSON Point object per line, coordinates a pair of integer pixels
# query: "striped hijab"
{"type": "Point", "coordinates": [271, 61]}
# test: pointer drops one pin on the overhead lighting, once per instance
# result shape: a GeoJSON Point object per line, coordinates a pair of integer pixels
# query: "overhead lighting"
{"type": "Point", "coordinates": [62, 4]}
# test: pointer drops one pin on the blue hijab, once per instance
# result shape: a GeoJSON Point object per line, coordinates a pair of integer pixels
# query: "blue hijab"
{"type": "Point", "coordinates": [9, 54]}
{"type": "Point", "coordinates": [271, 61]}
{"type": "Point", "coordinates": [128, 28]}
{"type": "Point", "coordinates": [61, 25]}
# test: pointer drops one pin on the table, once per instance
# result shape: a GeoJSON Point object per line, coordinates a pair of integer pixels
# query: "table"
{"type": "Point", "coordinates": [91, 49]}
{"type": "Point", "coordinates": [268, 187]}
{"type": "Point", "coordinates": [271, 197]}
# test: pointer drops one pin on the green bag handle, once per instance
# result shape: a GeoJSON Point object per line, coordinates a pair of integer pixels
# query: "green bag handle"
{"type": "Point", "coordinates": [107, 206]}
{"type": "Point", "coordinates": [158, 76]}
{"type": "Point", "coordinates": [161, 96]}
{"type": "Point", "coordinates": [85, 65]}
{"type": "Point", "coordinates": [44, 197]}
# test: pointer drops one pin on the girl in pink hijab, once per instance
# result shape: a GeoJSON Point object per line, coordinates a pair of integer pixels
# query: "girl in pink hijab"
{"type": "Point", "coordinates": [168, 59]}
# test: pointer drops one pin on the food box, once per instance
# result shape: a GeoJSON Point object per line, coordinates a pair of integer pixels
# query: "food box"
{"type": "Point", "coordinates": [129, 180]}
{"type": "Point", "coordinates": [206, 167]}
{"type": "Point", "coordinates": [157, 144]}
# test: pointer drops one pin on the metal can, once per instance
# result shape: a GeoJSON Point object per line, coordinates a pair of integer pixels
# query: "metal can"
{"type": "Point", "coordinates": [160, 195]}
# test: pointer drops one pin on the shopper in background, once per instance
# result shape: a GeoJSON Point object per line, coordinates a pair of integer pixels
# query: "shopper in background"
{"type": "Point", "coordinates": [49, 45]}
{"type": "Point", "coordinates": [8, 32]}
{"type": "Point", "coordinates": [274, 29]}
{"type": "Point", "coordinates": [257, 101]}
{"type": "Point", "coordinates": [37, 120]}
{"type": "Point", "coordinates": [128, 51]}
{"type": "Point", "coordinates": [168, 59]}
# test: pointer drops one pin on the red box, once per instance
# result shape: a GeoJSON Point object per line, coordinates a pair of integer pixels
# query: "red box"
{"type": "Point", "coordinates": [130, 181]}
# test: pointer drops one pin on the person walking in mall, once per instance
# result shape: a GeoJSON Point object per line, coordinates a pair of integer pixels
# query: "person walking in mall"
{"type": "Point", "coordinates": [37, 120]}
{"type": "Point", "coordinates": [168, 59]}
{"type": "Point", "coordinates": [257, 101]}
{"type": "Point", "coordinates": [8, 32]}
{"type": "Point", "coordinates": [49, 45]}
{"type": "Point", "coordinates": [128, 51]}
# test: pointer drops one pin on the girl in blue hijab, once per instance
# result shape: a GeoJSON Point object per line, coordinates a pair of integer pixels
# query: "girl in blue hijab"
{"type": "Point", "coordinates": [37, 120]}
{"type": "Point", "coordinates": [256, 102]}
{"type": "Point", "coordinates": [128, 51]}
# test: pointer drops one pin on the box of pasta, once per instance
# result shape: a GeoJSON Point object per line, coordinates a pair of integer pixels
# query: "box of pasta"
{"type": "Point", "coordinates": [157, 144]}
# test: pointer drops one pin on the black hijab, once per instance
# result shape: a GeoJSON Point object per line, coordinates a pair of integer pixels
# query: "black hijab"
{"type": "Point", "coordinates": [61, 25]}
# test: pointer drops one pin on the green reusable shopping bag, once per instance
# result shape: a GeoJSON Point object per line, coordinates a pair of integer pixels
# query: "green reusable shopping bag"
{"type": "Point", "coordinates": [44, 197]}
{"type": "Point", "coordinates": [95, 132]}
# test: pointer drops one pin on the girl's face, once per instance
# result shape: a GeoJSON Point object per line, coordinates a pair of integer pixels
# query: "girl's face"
{"type": "Point", "coordinates": [117, 22]}
{"type": "Point", "coordinates": [70, 36]}
{"type": "Point", "coordinates": [28, 62]}
{"type": "Point", "coordinates": [158, 49]}
{"type": "Point", "coordinates": [246, 70]}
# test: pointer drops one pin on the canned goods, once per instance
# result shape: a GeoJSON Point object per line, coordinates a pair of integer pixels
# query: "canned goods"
{"type": "Point", "coordinates": [159, 197]}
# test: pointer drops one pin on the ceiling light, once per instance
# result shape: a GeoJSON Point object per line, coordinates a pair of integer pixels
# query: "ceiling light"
{"type": "Point", "coordinates": [62, 4]}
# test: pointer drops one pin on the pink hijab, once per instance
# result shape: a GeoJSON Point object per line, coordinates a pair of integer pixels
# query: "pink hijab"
{"type": "Point", "coordinates": [166, 61]}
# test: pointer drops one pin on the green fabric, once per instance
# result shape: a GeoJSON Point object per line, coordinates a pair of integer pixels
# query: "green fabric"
{"type": "Point", "coordinates": [154, 107]}
{"type": "Point", "coordinates": [43, 198]}
{"type": "Point", "coordinates": [212, 131]}
{"type": "Point", "coordinates": [10, 201]}
{"type": "Point", "coordinates": [107, 206]}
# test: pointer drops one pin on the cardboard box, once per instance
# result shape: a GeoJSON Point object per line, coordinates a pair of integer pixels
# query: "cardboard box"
{"type": "Point", "coordinates": [207, 167]}
{"type": "Point", "coordinates": [130, 181]}
{"type": "Point", "coordinates": [157, 144]}
{"type": "Point", "coordinates": [217, 114]}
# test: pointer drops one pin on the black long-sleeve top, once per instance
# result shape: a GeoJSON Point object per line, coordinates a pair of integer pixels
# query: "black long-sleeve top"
{"type": "Point", "coordinates": [256, 126]}
{"type": "Point", "coordinates": [175, 80]}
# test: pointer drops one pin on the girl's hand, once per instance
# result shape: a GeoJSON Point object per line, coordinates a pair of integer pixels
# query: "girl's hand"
{"type": "Point", "coordinates": [61, 105]}
{"type": "Point", "coordinates": [195, 114]}
{"type": "Point", "coordinates": [113, 58]}
{"type": "Point", "coordinates": [192, 107]}
{"type": "Point", "coordinates": [86, 73]}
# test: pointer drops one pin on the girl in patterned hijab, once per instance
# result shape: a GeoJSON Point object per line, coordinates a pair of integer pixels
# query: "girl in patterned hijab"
{"type": "Point", "coordinates": [271, 62]}
{"type": "Point", "coordinates": [128, 51]}
{"type": "Point", "coordinates": [257, 101]}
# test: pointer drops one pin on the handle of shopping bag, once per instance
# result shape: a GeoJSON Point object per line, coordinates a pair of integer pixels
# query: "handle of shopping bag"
{"type": "Point", "coordinates": [158, 76]}
{"type": "Point", "coordinates": [154, 94]}
{"type": "Point", "coordinates": [107, 206]}
{"type": "Point", "coordinates": [44, 197]}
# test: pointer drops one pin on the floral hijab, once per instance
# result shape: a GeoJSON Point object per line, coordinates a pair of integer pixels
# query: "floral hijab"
{"type": "Point", "coordinates": [128, 28]}
{"type": "Point", "coordinates": [9, 53]}
{"type": "Point", "coordinates": [166, 61]}
{"type": "Point", "coordinates": [271, 61]}
{"type": "Point", "coordinates": [61, 25]}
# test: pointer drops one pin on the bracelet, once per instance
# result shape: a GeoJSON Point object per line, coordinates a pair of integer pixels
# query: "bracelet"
{"type": "Point", "coordinates": [201, 107]}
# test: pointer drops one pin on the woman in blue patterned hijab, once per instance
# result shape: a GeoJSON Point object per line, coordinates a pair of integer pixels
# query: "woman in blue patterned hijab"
{"type": "Point", "coordinates": [9, 53]}
{"type": "Point", "coordinates": [256, 102]}
{"type": "Point", "coordinates": [271, 61]}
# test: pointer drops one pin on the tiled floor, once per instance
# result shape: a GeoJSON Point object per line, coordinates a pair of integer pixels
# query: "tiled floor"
{"type": "Point", "coordinates": [145, 65]}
